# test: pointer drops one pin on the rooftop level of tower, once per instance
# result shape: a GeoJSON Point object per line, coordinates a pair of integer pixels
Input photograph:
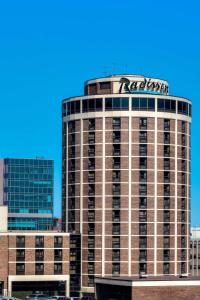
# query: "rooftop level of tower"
{"type": "Point", "coordinates": [125, 83]}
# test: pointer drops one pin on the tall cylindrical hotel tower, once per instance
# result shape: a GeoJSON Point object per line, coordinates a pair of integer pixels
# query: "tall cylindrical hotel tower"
{"type": "Point", "coordinates": [126, 178]}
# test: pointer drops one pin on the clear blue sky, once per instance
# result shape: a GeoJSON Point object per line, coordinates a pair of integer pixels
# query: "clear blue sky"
{"type": "Point", "coordinates": [48, 48]}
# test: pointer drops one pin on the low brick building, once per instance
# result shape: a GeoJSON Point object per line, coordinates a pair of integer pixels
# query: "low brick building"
{"type": "Point", "coordinates": [34, 261]}
{"type": "Point", "coordinates": [154, 288]}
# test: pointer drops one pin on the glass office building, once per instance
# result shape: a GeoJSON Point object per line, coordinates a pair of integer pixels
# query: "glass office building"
{"type": "Point", "coordinates": [27, 189]}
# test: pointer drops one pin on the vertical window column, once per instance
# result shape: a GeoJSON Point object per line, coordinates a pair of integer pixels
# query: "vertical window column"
{"type": "Point", "coordinates": [72, 175]}
{"type": "Point", "coordinates": [166, 196]}
{"type": "Point", "coordinates": [143, 196]}
{"type": "Point", "coordinates": [91, 202]}
{"type": "Point", "coordinates": [183, 197]}
{"type": "Point", "coordinates": [116, 191]}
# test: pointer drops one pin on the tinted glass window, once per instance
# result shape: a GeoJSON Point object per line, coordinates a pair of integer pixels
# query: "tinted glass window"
{"type": "Point", "coordinates": [84, 104]}
{"type": "Point", "coordinates": [116, 103]}
{"type": "Point", "coordinates": [73, 107]}
{"type": "Point", "coordinates": [135, 103]}
{"type": "Point", "coordinates": [108, 103]}
{"type": "Point", "coordinates": [151, 104]}
{"type": "Point", "coordinates": [92, 105]}
{"type": "Point", "coordinates": [166, 105]}
{"type": "Point", "coordinates": [161, 105]}
{"type": "Point", "coordinates": [143, 104]}
{"type": "Point", "coordinates": [173, 105]}
{"type": "Point", "coordinates": [190, 109]}
{"type": "Point", "coordinates": [183, 108]}
{"type": "Point", "coordinates": [99, 104]}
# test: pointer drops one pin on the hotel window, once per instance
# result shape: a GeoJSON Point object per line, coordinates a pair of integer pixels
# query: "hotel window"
{"type": "Point", "coordinates": [91, 216]}
{"type": "Point", "coordinates": [58, 268]}
{"type": "Point", "coordinates": [166, 203]}
{"type": "Point", "coordinates": [142, 216]}
{"type": "Point", "coordinates": [91, 268]}
{"type": "Point", "coordinates": [143, 104]}
{"type": "Point", "coordinates": [166, 242]}
{"type": "Point", "coordinates": [39, 255]}
{"type": "Point", "coordinates": [116, 255]}
{"type": "Point", "coordinates": [143, 229]}
{"type": "Point", "coordinates": [116, 123]}
{"type": "Point", "coordinates": [116, 150]}
{"type": "Point", "coordinates": [116, 176]}
{"type": "Point", "coordinates": [183, 267]}
{"type": "Point", "coordinates": [182, 107]}
{"type": "Point", "coordinates": [166, 125]}
{"type": "Point", "coordinates": [91, 203]}
{"type": "Point", "coordinates": [20, 269]}
{"type": "Point", "coordinates": [166, 164]}
{"type": "Point", "coordinates": [91, 176]}
{"type": "Point", "coordinates": [116, 162]}
{"type": "Point", "coordinates": [143, 137]}
{"type": "Point", "coordinates": [166, 138]}
{"type": "Point", "coordinates": [143, 150]}
{"type": "Point", "coordinates": [73, 107]}
{"type": "Point", "coordinates": [57, 254]}
{"type": "Point", "coordinates": [91, 124]}
{"type": "Point", "coordinates": [90, 105]}
{"type": "Point", "coordinates": [116, 242]}
{"type": "Point", "coordinates": [166, 255]}
{"type": "Point", "coordinates": [116, 203]}
{"type": "Point", "coordinates": [90, 281]}
{"type": "Point", "coordinates": [167, 105]}
{"type": "Point", "coordinates": [142, 242]}
{"type": "Point", "coordinates": [116, 229]}
{"type": "Point", "coordinates": [166, 229]}
{"type": "Point", "coordinates": [91, 138]}
{"type": "Point", "coordinates": [190, 110]}
{"type": "Point", "coordinates": [39, 268]}
{"type": "Point", "coordinates": [91, 255]}
{"type": "Point", "coordinates": [143, 189]}
{"type": "Point", "coordinates": [116, 269]}
{"type": "Point", "coordinates": [183, 127]}
{"type": "Point", "coordinates": [142, 268]}
{"type": "Point", "coordinates": [71, 126]}
{"type": "Point", "coordinates": [20, 242]}
{"type": "Point", "coordinates": [105, 85]}
{"type": "Point", "coordinates": [143, 124]}
{"type": "Point", "coordinates": [142, 255]}
{"type": "Point", "coordinates": [91, 242]}
{"type": "Point", "coordinates": [92, 89]}
{"type": "Point", "coordinates": [143, 176]}
{"type": "Point", "coordinates": [116, 216]}
{"type": "Point", "coordinates": [91, 229]}
{"type": "Point", "coordinates": [143, 163]}
{"type": "Point", "coordinates": [91, 163]}
{"type": "Point", "coordinates": [166, 190]}
{"type": "Point", "coordinates": [166, 268]}
{"type": "Point", "coordinates": [91, 150]}
{"type": "Point", "coordinates": [116, 136]}
{"type": "Point", "coordinates": [143, 202]}
{"type": "Point", "coordinates": [117, 104]}
{"type": "Point", "coordinates": [166, 177]}
{"type": "Point", "coordinates": [20, 255]}
{"type": "Point", "coordinates": [58, 241]}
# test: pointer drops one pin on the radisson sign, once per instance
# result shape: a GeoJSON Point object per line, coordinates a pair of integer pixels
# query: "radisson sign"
{"type": "Point", "coordinates": [146, 85]}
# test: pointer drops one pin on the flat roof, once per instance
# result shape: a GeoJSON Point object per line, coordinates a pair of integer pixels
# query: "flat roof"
{"type": "Point", "coordinates": [150, 278]}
